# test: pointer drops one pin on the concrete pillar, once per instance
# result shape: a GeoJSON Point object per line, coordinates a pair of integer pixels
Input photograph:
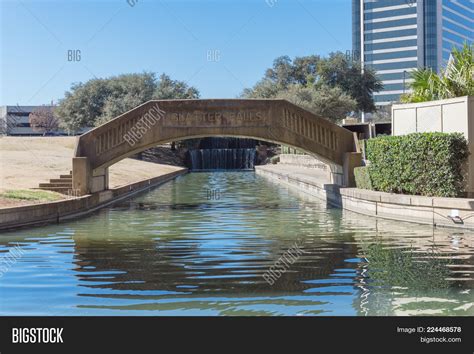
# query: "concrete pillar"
{"type": "Point", "coordinates": [100, 180]}
{"type": "Point", "coordinates": [81, 175]}
{"type": "Point", "coordinates": [351, 160]}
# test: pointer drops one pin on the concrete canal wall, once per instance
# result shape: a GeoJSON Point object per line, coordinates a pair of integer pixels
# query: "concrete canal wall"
{"type": "Point", "coordinates": [55, 212]}
{"type": "Point", "coordinates": [446, 212]}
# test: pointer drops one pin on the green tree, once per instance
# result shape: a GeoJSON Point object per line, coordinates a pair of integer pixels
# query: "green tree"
{"type": "Point", "coordinates": [282, 72]}
{"type": "Point", "coordinates": [329, 102]}
{"type": "Point", "coordinates": [315, 76]}
{"type": "Point", "coordinates": [83, 104]}
{"type": "Point", "coordinates": [285, 72]}
{"type": "Point", "coordinates": [425, 86]}
{"type": "Point", "coordinates": [459, 72]}
{"type": "Point", "coordinates": [338, 71]}
{"type": "Point", "coordinates": [306, 69]}
{"type": "Point", "coordinates": [174, 89]}
{"type": "Point", "coordinates": [265, 88]}
{"type": "Point", "coordinates": [456, 80]}
{"type": "Point", "coordinates": [99, 100]}
{"type": "Point", "coordinates": [126, 92]}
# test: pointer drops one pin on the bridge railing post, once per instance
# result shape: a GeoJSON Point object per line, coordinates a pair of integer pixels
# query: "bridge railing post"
{"type": "Point", "coordinates": [81, 175]}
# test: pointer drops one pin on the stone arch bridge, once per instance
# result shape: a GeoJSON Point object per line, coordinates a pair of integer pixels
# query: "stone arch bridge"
{"type": "Point", "coordinates": [162, 121]}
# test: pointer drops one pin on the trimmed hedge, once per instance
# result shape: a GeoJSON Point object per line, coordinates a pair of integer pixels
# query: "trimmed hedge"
{"type": "Point", "coordinates": [430, 164]}
{"type": "Point", "coordinates": [362, 177]}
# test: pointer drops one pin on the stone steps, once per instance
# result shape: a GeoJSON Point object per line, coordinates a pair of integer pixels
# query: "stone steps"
{"type": "Point", "coordinates": [60, 180]}
{"type": "Point", "coordinates": [63, 184]}
{"type": "Point", "coordinates": [55, 184]}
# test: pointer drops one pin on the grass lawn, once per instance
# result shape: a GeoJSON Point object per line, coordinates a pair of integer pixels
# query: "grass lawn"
{"type": "Point", "coordinates": [31, 195]}
{"type": "Point", "coordinates": [33, 160]}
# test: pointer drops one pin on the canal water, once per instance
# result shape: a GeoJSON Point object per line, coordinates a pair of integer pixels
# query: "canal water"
{"type": "Point", "coordinates": [204, 244]}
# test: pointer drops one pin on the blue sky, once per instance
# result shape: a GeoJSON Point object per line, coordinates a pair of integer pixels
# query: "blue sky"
{"type": "Point", "coordinates": [172, 36]}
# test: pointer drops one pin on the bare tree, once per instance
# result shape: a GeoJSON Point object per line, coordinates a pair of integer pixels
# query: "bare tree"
{"type": "Point", "coordinates": [43, 119]}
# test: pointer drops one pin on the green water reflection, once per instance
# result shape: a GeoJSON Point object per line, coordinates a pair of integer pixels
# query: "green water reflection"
{"type": "Point", "coordinates": [199, 245]}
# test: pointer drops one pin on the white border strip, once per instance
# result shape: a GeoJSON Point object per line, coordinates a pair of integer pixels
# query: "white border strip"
{"type": "Point", "coordinates": [390, 50]}
{"type": "Point", "coordinates": [396, 39]}
{"type": "Point", "coordinates": [390, 29]}
{"type": "Point", "coordinates": [387, 61]}
{"type": "Point", "coordinates": [388, 8]}
{"type": "Point", "coordinates": [395, 71]}
{"type": "Point", "coordinates": [393, 18]}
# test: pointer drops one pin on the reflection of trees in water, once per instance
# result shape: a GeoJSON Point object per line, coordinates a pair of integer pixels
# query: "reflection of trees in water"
{"type": "Point", "coordinates": [410, 281]}
{"type": "Point", "coordinates": [177, 240]}
{"type": "Point", "coordinates": [219, 247]}
{"type": "Point", "coordinates": [169, 263]}
{"type": "Point", "coordinates": [407, 268]}
{"type": "Point", "coordinates": [450, 252]}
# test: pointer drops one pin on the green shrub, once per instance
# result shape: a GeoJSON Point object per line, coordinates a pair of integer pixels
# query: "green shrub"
{"type": "Point", "coordinates": [362, 177]}
{"type": "Point", "coordinates": [430, 164]}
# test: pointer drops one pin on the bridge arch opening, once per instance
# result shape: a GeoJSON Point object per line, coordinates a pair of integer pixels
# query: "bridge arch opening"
{"type": "Point", "coordinates": [164, 121]}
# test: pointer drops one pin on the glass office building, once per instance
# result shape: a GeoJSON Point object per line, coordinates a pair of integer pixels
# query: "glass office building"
{"type": "Point", "coordinates": [397, 36]}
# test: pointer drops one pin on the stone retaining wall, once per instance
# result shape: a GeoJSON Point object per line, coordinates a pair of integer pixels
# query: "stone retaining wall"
{"type": "Point", "coordinates": [423, 210]}
{"type": "Point", "coordinates": [61, 210]}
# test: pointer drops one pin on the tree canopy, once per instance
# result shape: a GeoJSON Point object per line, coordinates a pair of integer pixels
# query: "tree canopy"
{"type": "Point", "coordinates": [99, 100]}
{"type": "Point", "coordinates": [325, 101]}
{"type": "Point", "coordinates": [329, 85]}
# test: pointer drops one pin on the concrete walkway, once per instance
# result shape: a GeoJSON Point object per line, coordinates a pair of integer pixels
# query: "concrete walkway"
{"type": "Point", "coordinates": [437, 211]}
{"type": "Point", "coordinates": [313, 175]}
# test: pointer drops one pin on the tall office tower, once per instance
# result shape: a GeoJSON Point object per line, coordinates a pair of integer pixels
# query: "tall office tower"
{"type": "Point", "coordinates": [401, 35]}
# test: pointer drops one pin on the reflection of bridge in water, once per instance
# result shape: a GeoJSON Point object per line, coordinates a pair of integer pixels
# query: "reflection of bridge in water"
{"type": "Point", "coordinates": [145, 270]}
{"type": "Point", "coordinates": [236, 267]}
{"type": "Point", "coordinates": [174, 251]}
